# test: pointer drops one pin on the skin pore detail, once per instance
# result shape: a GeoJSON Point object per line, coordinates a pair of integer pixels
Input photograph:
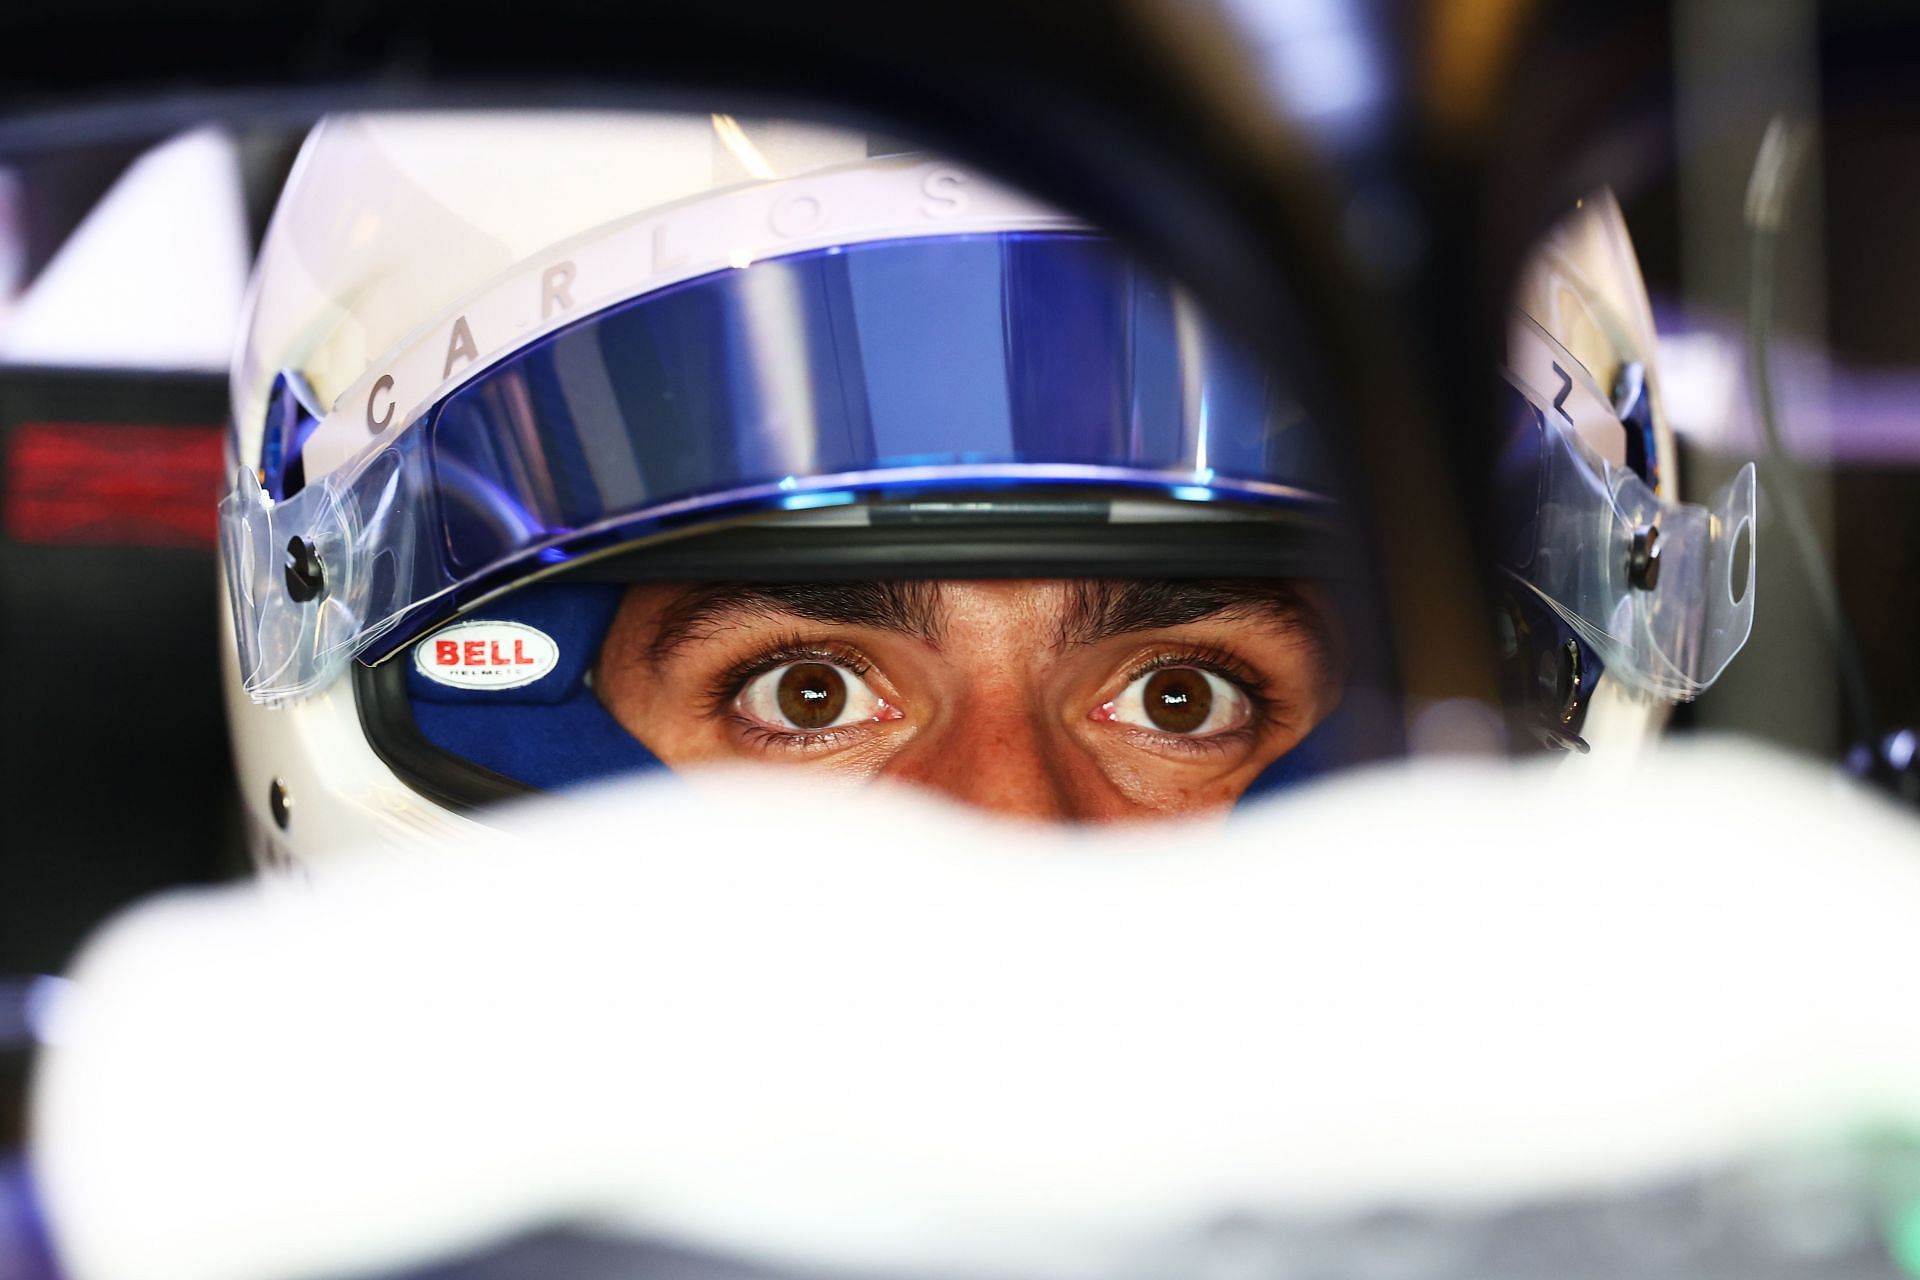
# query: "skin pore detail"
{"type": "Point", "coordinates": [1072, 699]}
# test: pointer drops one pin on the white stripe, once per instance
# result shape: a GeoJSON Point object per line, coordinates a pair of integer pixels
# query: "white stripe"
{"type": "Point", "coordinates": [881, 200]}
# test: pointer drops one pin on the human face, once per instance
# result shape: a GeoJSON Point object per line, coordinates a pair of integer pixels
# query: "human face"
{"type": "Point", "coordinates": [1083, 699]}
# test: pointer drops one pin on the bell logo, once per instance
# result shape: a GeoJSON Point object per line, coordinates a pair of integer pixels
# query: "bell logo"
{"type": "Point", "coordinates": [478, 654]}
{"type": "Point", "coordinates": [486, 655]}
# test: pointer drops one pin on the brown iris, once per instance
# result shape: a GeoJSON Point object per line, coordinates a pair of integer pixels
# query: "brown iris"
{"type": "Point", "coordinates": [812, 695]}
{"type": "Point", "coordinates": [1178, 699]}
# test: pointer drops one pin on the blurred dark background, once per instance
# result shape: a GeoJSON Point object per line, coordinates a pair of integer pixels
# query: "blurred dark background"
{"type": "Point", "coordinates": [115, 780]}
{"type": "Point", "coordinates": [113, 760]}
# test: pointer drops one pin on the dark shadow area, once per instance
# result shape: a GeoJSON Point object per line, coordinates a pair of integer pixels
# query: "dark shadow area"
{"type": "Point", "coordinates": [114, 773]}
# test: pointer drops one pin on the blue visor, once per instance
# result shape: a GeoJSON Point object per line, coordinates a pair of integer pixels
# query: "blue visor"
{"type": "Point", "coordinates": [939, 363]}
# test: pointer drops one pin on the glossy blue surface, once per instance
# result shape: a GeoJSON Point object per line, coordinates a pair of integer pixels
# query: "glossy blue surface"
{"type": "Point", "coordinates": [899, 361]}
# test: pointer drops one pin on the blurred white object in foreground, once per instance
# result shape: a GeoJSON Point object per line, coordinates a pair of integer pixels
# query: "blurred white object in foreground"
{"type": "Point", "coordinates": [857, 1029]}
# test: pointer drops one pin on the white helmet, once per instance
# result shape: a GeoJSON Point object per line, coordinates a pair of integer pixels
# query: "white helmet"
{"type": "Point", "coordinates": [1620, 599]}
{"type": "Point", "coordinates": [497, 367]}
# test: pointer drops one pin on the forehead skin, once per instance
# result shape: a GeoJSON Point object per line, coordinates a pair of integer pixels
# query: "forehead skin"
{"type": "Point", "coordinates": [997, 684]}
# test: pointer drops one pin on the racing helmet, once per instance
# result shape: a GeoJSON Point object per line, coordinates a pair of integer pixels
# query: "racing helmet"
{"type": "Point", "coordinates": [497, 368]}
{"type": "Point", "coordinates": [1616, 599]}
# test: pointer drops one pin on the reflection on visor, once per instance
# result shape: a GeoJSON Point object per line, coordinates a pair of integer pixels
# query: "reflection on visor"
{"type": "Point", "coordinates": [1663, 591]}
{"type": "Point", "coordinates": [978, 359]}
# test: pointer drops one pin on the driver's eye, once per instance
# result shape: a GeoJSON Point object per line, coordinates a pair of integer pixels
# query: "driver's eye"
{"type": "Point", "coordinates": [1186, 701]}
{"type": "Point", "coordinates": [804, 697]}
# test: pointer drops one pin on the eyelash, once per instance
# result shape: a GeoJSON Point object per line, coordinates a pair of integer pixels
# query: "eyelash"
{"type": "Point", "coordinates": [761, 736]}
{"type": "Point", "coordinates": [732, 682]}
{"type": "Point", "coordinates": [1262, 706]}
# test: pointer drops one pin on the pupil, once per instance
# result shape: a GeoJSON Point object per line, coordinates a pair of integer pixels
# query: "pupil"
{"type": "Point", "coordinates": [1178, 699]}
{"type": "Point", "coordinates": [812, 695]}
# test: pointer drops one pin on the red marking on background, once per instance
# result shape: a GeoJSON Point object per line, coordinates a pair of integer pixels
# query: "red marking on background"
{"type": "Point", "coordinates": [109, 484]}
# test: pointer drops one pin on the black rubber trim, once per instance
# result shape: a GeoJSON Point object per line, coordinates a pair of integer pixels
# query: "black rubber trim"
{"type": "Point", "coordinates": [386, 716]}
{"type": "Point", "coordinates": [946, 549]}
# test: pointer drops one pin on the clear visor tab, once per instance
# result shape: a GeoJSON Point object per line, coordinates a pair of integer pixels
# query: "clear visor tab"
{"type": "Point", "coordinates": [315, 579]}
{"type": "Point", "coordinates": [982, 360]}
{"type": "Point", "coordinates": [1661, 590]}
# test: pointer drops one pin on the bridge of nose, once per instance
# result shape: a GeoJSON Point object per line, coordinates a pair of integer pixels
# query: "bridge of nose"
{"type": "Point", "coordinates": [1005, 748]}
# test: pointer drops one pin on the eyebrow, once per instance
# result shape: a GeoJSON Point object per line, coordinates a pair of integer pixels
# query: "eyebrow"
{"type": "Point", "coordinates": [1102, 608]}
{"type": "Point", "coordinates": [1097, 608]}
{"type": "Point", "coordinates": [909, 608]}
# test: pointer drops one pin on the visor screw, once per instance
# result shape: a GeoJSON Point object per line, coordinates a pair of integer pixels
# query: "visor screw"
{"type": "Point", "coordinates": [1643, 563]}
{"type": "Point", "coordinates": [280, 804]}
{"type": "Point", "coordinates": [306, 579]}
